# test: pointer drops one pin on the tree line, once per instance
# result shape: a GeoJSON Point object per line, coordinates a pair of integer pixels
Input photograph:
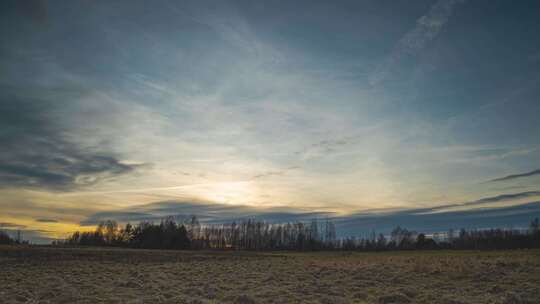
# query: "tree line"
{"type": "Point", "coordinates": [245, 235]}
{"type": "Point", "coordinates": [480, 239]}
{"type": "Point", "coordinates": [315, 235]}
{"type": "Point", "coordinates": [6, 239]}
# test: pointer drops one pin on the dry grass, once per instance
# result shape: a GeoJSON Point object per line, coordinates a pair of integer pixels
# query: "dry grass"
{"type": "Point", "coordinates": [52, 275]}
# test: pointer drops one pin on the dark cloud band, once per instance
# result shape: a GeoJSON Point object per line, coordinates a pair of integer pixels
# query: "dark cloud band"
{"type": "Point", "coordinates": [35, 149]}
{"type": "Point", "coordinates": [46, 220]}
{"type": "Point", "coordinates": [207, 213]}
{"type": "Point", "coordinates": [514, 176]}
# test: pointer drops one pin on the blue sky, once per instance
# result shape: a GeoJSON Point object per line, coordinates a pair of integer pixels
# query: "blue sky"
{"type": "Point", "coordinates": [277, 107]}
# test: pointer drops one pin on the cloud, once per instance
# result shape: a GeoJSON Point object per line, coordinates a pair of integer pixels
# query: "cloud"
{"type": "Point", "coordinates": [37, 152]}
{"type": "Point", "coordinates": [121, 216]}
{"type": "Point", "coordinates": [514, 176]}
{"type": "Point", "coordinates": [232, 27]}
{"type": "Point", "coordinates": [442, 218]}
{"type": "Point", "coordinates": [488, 200]}
{"type": "Point", "coordinates": [67, 169]}
{"type": "Point", "coordinates": [46, 220]}
{"type": "Point", "coordinates": [206, 212]}
{"type": "Point", "coordinates": [274, 173]}
{"type": "Point", "coordinates": [427, 28]}
{"type": "Point", "coordinates": [11, 225]}
{"type": "Point", "coordinates": [504, 197]}
{"type": "Point", "coordinates": [514, 216]}
{"type": "Point", "coordinates": [325, 147]}
{"type": "Point", "coordinates": [268, 174]}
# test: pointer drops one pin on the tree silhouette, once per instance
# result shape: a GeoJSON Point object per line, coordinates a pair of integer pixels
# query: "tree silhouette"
{"type": "Point", "coordinates": [253, 234]}
{"type": "Point", "coordinates": [5, 239]}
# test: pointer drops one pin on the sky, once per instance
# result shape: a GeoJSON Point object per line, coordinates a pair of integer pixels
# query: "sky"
{"type": "Point", "coordinates": [375, 113]}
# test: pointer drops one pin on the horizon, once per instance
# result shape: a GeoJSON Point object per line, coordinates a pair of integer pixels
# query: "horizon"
{"type": "Point", "coordinates": [363, 225]}
{"type": "Point", "coordinates": [421, 114]}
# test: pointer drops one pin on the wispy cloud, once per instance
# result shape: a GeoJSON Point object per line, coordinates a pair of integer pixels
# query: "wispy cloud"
{"type": "Point", "coordinates": [274, 173]}
{"type": "Point", "coordinates": [427, 28]}
{"type": "Point", "coordinates": [515, 176]}
{"type": "Point", "coordinates": [323, 147]}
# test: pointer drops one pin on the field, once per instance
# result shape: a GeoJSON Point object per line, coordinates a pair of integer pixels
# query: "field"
{"type": "Point", "coordinates": [97, 275]}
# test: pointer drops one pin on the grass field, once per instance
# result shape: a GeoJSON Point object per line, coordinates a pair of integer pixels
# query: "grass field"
{"type": "Point", "coordinates": [97, 275]}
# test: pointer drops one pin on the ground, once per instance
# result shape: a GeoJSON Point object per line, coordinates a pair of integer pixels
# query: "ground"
{"type": "Point", "coordinates": [98, 275]}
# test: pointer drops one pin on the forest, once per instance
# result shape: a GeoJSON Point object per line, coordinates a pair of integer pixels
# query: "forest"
{"type": "Point", "coordinates": [316, 235]}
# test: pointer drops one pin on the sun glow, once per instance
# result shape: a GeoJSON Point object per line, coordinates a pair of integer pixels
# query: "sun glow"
{"type": "Point", "coordinates": [234, 193]}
